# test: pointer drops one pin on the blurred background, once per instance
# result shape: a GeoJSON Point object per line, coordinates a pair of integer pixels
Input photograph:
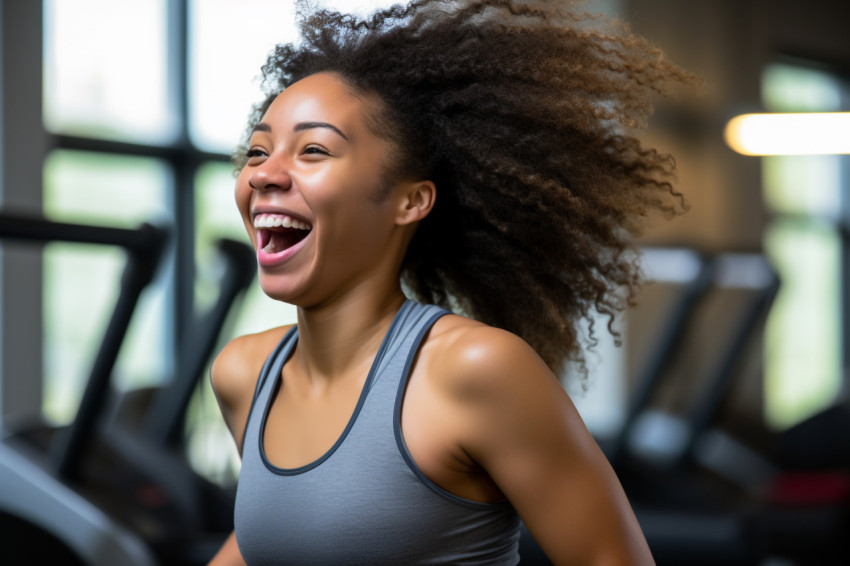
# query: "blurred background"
{"type": "Point", "coordinates": [723, 410]}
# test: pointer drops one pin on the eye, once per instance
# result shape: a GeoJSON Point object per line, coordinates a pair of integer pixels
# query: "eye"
{"type": "Point", "coordinates": [315, 150]}
{"type": "Point", "coordinates": [254, 152]}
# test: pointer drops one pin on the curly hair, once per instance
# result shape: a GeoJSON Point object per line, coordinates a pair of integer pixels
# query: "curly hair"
{"type": "Point", "coordinates": [520, 113]}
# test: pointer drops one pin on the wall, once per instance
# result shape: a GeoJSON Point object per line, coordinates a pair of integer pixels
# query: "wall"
{"type": "Point", "coordinates": [727, 42]}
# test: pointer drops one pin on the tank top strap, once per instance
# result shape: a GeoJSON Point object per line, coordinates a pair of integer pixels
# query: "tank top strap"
{"type": "Point", "coordinates": [274, 363]}
{"type": "Point", "coordinates": [403, 339]}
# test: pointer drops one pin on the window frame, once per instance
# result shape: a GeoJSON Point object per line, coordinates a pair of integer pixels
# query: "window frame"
{"type": "Point", "coordinates": [21, 37]}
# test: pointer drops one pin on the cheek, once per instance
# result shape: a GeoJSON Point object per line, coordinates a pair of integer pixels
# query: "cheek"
{"type": "Point", "coordinates": [242, 195]}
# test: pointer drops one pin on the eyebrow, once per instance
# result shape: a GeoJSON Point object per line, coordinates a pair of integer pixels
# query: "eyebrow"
{"type": "Point", "coordinates": [264, 127]}
{"type": "Point", "coordinates": [310, 125]}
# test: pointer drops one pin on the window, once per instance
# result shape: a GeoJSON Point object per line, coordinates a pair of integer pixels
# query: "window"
{"type": "Point", "coordinates": [806, 328]}
{"type": "Point", "coordinates": [81, 282]}
{"type": "Point", "coordinates": [105, 84]}
{"type": "Point", "coordinates": [104, 78]}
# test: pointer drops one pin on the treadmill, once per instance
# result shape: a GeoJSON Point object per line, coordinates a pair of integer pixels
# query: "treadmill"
{"type": "Point", "coordinates": [99, 493]}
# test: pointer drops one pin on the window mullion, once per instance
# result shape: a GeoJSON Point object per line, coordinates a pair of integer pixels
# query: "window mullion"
{"type": "Point", "coordinates": [183, 170]}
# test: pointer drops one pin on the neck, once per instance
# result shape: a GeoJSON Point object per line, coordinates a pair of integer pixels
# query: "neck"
{"type": "Point", "coordinates": [344, 335]}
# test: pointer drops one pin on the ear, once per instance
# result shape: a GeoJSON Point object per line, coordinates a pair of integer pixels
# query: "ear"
{"type": "Point", "coordinates": [416, 201]}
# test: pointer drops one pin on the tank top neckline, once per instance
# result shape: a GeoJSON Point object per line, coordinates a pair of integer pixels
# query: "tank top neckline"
{"type": "Point", "coordinates": [289, 341]}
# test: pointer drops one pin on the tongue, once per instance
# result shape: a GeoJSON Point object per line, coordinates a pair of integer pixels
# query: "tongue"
{"type": "Point", "coordinates": [284, 238]}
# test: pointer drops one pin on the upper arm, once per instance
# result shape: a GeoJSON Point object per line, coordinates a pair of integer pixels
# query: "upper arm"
{"type": "Point", "coordinates": [231, 384]}
{"type": "Point", "coordinates": [526, 433]}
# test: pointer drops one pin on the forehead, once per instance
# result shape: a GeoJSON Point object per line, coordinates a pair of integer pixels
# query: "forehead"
{"type": "Point", "coordinates": [323, 96]}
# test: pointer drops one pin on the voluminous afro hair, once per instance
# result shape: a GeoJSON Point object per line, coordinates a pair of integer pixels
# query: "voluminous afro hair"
{"type": "Point", "coordinates": [521, 113]}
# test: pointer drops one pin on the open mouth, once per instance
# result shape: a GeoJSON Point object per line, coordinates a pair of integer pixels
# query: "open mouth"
{"type": "Point", "coordinates": [278, 232]}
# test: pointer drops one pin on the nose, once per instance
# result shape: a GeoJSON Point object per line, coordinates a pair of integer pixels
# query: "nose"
{"type": "Point", "coordinates": [270, 175]}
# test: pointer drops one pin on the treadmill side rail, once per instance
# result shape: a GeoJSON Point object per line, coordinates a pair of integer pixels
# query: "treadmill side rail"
{"type": "Point", "coordinates": [31, 492]}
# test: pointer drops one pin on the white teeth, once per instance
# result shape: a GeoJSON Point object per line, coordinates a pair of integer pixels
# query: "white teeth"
{"type": "Point", "coordinates": [278, 221]}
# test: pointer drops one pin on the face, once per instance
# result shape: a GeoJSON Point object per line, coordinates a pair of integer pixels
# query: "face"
{"type": "Point", "coordinates": [312, 194]}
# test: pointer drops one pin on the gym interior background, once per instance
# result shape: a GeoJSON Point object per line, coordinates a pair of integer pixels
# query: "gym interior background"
{"type": "Point", "coordinates": [119, 113]}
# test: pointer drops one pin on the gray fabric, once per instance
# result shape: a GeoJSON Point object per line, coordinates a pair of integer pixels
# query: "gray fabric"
{"type": "Point", "coordinates": [364, 501]}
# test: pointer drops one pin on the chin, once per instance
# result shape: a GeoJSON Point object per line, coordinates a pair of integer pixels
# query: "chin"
{"type": "Point", "coordinates": [277, 290]}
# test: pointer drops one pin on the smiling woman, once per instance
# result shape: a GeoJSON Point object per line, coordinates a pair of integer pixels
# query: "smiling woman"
{"type": "Point", "coordinates": [475, 155]}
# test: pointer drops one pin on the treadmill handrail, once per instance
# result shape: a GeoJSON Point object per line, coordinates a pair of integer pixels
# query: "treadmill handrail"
{"type": "Point", "coordinates": [166, 416]}
{"type": "Point", "coordinates": [751, 320]}
{"type": "Point", "coordinates": [36, 229]}
{"type": "Point", "coordinates": [145, 247]}
{"type": "Point", "coordinates": [660, 357]}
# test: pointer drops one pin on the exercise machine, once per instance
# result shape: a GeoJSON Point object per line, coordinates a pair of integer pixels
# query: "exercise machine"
{"type": "Point", "coordinates": [103, 491]}
{"type": "Point", "coordinates": [40, 468]}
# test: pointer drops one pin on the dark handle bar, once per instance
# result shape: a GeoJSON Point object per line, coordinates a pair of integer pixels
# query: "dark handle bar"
{"type": "Point", "coordinates": [145, 247]}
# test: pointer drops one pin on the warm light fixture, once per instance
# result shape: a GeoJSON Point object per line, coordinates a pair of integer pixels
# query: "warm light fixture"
{"type": "Point", "coordinates": [789, 134]}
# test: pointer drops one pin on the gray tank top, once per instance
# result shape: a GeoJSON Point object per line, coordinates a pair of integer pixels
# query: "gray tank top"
{"type": "Point", "coordinates": [365, 501]}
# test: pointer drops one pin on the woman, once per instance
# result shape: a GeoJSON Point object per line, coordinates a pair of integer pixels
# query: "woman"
{"type": "Point", "coordinates": [471, 155]}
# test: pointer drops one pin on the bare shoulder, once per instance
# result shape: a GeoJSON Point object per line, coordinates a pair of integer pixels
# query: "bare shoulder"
{"type": "Point", "coordinates": [498, 388]}
{"type": "Point", "coordinates": [467, 357]}
{"type": "Point", "coordinates": [237, 366]}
